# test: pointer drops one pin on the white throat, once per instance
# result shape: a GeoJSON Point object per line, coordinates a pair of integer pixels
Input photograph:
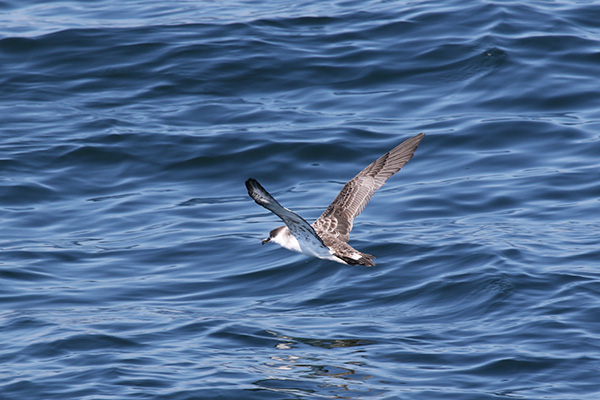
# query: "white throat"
{"type": "Point", "coordinates": [285, 239]}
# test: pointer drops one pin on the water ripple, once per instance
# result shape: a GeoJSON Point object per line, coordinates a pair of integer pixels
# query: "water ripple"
{"type": "Point", "coordinates": [131, 263]}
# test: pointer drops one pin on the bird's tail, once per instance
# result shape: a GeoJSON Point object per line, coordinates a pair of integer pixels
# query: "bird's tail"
{"type": "Point", "coordinates": [364, 259]}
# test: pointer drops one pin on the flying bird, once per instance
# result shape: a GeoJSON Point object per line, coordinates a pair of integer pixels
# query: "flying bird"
{"type": "Point", "coordinates": [327, 237]}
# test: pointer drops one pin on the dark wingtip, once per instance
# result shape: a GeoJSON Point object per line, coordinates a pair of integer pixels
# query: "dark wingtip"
{"type": "Point", "coordinates": [251, 183]}
{"type": "Point", "coordinates": [420, 137]}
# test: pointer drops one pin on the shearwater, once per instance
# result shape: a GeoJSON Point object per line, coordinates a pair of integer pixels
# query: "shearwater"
{"type": "Point", "coordinates": [327, 237]}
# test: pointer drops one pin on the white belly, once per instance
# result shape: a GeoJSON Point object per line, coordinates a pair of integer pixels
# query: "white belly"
{"type": "Point", "coordinates": [309, 246]}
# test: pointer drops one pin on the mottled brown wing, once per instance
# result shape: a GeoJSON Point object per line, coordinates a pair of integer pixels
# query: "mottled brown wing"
{"type": "Point", "coordinates": [338, 218]}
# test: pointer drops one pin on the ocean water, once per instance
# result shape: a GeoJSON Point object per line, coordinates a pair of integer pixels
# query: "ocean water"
{"type": "Point", "coordinates": [131, 264]}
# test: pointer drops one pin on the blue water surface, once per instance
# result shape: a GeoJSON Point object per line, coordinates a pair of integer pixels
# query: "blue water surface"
{"type": "Point", "coordinates": [131, 264]}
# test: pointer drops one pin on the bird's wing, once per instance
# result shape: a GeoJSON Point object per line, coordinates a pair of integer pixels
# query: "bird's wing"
{"type": "Point", "coordinates": [338, 218]}
{"type": "Point", "coordinates": [297, 225]}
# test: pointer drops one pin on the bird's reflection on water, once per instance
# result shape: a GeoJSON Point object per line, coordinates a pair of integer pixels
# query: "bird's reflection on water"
{"type": "Point", "coordinates": [305, 365]}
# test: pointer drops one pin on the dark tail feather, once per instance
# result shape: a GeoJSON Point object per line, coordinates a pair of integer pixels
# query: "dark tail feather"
{"type": "Point", "coordinates": [365, 259]}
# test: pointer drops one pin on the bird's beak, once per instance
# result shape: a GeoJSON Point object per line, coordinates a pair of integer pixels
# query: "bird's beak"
{"type": "Point", "coordinates": [267, 240]}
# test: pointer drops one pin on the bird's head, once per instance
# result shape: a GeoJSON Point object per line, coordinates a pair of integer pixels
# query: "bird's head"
{"type": "Point", "coordinates": [276, 235]}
